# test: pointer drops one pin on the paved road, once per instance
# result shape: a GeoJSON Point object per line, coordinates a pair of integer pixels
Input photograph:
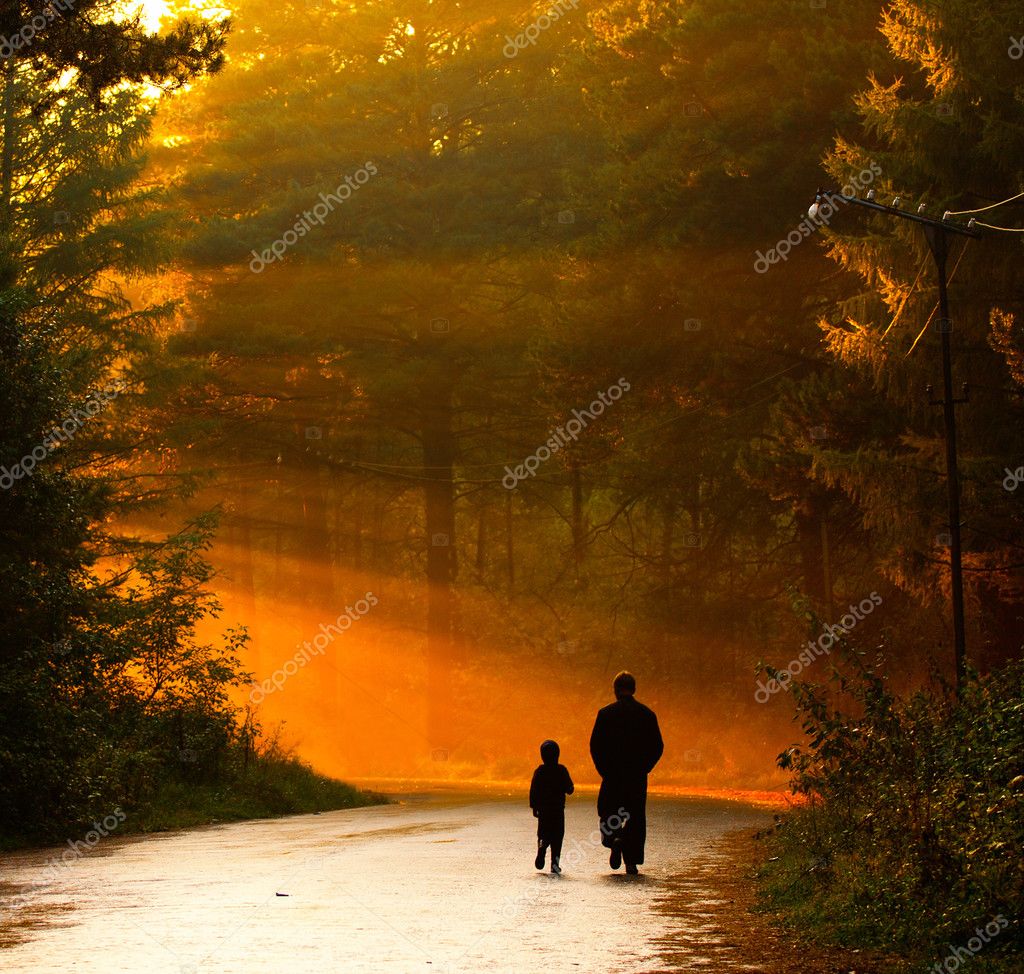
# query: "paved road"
{"type": "Point", "coordinates": [434, 885]}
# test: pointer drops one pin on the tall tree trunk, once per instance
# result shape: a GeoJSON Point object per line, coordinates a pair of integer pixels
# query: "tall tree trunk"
{"type": "Point", "coordinates": [579, 525]}
{"type": "Point", "coordinates": [668, 532]}
{"type": "Point", "coordinates": [349, 506]}
{"type": "Point", "coordinates": [278, 573]}
{"type": "Point", "coordinates": [826, 561]}
{"type": "Point", "coordinates": [481, 539]}
{"type": "Point", "coordinates": [439, 501]}
{"type": "Point", "coordinates": [666, 554]}
{"type": "Point", "coordinates": [812, 555]}
{"type": "Point", "coordinates": [316, 546]}
{"type": "Point", "coordinates": [8, 268]}
{"type": "Point", "coordinates": [10, 137]}
{"type": "Point", "coordinates": [510, 559]}
{"type": "Point", "coordinates": [240, 538]}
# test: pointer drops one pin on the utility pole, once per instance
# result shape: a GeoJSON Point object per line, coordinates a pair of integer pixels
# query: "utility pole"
{"type": "Point", "coordinates": [937, 242]}
{"type": "Point", "coordinates": [937, 233]}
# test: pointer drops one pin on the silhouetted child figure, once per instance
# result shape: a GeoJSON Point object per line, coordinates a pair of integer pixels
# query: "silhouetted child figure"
{"type": "Point", "coordinates": [551, 783]}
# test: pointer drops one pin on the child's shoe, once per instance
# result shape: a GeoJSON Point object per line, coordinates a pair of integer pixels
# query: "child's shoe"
{"type": "Point", "coordinates": [539, 861]}
{"type": "Point", "coordinates": [555, 868]}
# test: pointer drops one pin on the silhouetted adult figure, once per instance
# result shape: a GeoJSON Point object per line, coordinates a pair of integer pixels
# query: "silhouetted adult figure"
{"type": "Point", "coordinates": [625, 745]}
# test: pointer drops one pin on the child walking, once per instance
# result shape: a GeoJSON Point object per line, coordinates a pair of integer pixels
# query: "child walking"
{"type": "Point", "coordinates": [551, 783]}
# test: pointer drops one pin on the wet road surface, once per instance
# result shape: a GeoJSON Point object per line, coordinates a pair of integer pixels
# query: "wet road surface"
{"type": "Point", "coordinates": [435, 885]}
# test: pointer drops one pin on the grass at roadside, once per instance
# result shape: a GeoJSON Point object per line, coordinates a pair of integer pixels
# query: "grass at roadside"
{"type": "Point", "coordinates": [195, 790]}
{"type": "Point", "coordinates": [837, 901]}
{"type": "Point", "coordinates": [282, 786]}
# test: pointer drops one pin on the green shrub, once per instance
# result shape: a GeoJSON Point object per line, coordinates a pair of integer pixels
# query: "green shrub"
{"type": "Point", "coordinates": [913, 827]}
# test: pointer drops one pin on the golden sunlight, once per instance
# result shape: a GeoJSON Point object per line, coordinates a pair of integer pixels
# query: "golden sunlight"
{"type": "Point", "coordinates": [425, 449]}
{"type": "Point", "coordinates": [152, 11]}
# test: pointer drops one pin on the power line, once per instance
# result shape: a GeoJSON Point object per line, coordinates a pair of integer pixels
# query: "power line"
{"type": "Point", "coordinates": [988, 226]}
{"type": "Point", "coordinates": [906, 297]}
{"type": "Point", "coordinates": [952, 276]}
{"type": "Point", "coordinates": [982, 209]}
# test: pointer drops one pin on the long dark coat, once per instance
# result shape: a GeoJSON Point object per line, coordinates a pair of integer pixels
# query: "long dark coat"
{"type": "Point", "coordinates": [625, 744]}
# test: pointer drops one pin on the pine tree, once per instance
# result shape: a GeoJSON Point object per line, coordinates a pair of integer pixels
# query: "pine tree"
{"type": "Point", "coordinates": [104, 49]}
{"type": "Point", "coordinates": [947, 135]}
{"type": "Point", "coordinates": [78, 601]}
{"type": "Point", "coordinates": [401, 199]}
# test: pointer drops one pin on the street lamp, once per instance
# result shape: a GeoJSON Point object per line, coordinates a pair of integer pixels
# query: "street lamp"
{"type": "Point", "coordinates": [936, 233]}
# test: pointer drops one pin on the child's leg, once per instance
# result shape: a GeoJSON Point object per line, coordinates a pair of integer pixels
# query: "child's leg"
{"type": "Point", "coordinates": [557, 835]}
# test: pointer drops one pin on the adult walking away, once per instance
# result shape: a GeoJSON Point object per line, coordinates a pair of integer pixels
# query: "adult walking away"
{"type": "Point", "coordinates": [625, 744]}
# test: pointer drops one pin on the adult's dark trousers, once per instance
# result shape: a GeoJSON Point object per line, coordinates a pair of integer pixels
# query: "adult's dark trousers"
{"type": "Point", "coordinates": [622, 810]}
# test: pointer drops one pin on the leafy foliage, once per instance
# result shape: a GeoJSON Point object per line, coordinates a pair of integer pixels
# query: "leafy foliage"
{"type": "Point", "coordinates": [103, 49]}
{"type": "Point", "coordinates": [103, 681]}
{"type": "Point", "coordinates": [915, 808]}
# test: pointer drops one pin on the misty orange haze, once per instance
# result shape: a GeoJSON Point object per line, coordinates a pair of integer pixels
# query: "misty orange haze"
{"type": "Point", "coordinates": [359, 711]}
